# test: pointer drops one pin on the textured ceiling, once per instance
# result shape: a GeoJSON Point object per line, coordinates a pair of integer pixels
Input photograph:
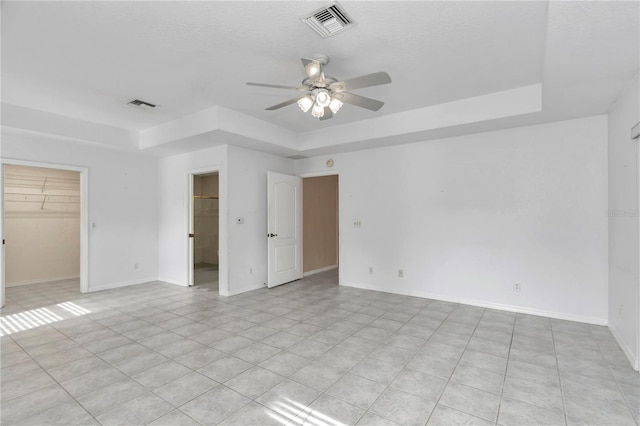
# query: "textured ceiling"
{"type": "Point", "coordinates": [87, 59]}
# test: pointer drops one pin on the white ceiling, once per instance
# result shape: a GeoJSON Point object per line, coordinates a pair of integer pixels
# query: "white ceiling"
{"type": "Point", "coordinates": [85, 60]}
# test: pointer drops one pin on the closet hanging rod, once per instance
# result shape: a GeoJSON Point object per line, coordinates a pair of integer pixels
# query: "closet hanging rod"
{"type": "Point", "coordinates": [205, 197]}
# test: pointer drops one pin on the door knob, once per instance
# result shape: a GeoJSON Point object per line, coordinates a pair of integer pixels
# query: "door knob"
{"type": "Point", "coordinates": [272, 235]}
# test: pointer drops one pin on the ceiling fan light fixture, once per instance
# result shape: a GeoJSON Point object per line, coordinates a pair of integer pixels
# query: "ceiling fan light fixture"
{"type": "Point", "coordinates": [305, 103]}
{"type": "Point", "coordinates": [317, 111]}
{"type": "Point", "coordinates": [323, 98]}
{"type": "Point", "coordinates": [335, 105]}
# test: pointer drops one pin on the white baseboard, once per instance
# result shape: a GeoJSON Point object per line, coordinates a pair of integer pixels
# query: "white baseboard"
{"type": "Point", "coordinates": [111, 286]}
{"type": "Point", "coordinates": [241, 290]}
{"type": "Point", "coordinates": [181, 284]}
{"type": "Point", "coordinates": [482, 304]}
{"type": "Point", "coordinates": [625, 348]}
{"type": "Point", "coordinates": [41, 281]}
{"type": "Point", "coordinates": [317, 271]}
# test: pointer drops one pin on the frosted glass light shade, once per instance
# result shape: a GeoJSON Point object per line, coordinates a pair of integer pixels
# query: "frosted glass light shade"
{"type": "Point", "coordinates": [317, 111]}
{"type": "Point", "coordinates": [305, 103]}
{"type": "Point", "coordinates": [323, 98]}
{"type": "Point", "coordinates": [335, 105]}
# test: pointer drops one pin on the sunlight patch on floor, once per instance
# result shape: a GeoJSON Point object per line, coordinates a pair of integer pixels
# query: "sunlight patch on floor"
{"type": "Point", "coordinates": [38, 317]}
{"type": "Point", "coordinates": [292, 412]}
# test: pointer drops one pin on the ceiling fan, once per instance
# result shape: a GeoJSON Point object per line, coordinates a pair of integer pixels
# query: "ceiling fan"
{"type": "Point", "coordinates": [325, 95]}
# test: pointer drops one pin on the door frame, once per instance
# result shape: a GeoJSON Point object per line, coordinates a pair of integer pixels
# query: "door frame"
{"type": "Point", "coordinates": [340, 252]}
{"type": "Point", "coordinates": [223, 272]}
{"type": "Point", "coordinates": [84, 216]}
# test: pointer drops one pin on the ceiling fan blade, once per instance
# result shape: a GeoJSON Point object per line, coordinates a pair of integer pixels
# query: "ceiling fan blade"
{"type": "Point", "coordinates": [361, 101]}
{"type": "Point", "coordinates": [277, 86]}
{"type": "Point", "coordinates": [375, 79]}
{"type": "Point", "coordinates": [284, 104]}
{"type": "Point", "coordinates": [327, 114]}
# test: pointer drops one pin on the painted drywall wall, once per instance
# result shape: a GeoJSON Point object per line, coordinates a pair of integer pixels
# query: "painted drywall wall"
{"type": "Point", "coordinates": [243, 193]}
{"type": "Point", "coordinates": [248, 199]}
{"type": "Point", "coordinates": [173, 208]}
{"type": "Point", "coordinates": [42, 225]}
{"type": "Point", "coordinates": [319, 222]}
{"type": "Point", "coordinates": [122, 204]}
{"type": "Point", "coordinates": [624, 276]}
{"type": "Point", "coordinates": [465, 218]}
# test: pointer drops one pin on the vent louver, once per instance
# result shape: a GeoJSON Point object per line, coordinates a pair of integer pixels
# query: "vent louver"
{"type": "Point", "coordinates": [141, 104]}
{"type": "Point", "coordinates": [329, 20]}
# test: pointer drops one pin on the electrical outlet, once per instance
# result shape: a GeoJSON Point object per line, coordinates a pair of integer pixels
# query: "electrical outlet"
{"type": "Point", "coordinates": [516, 286]}
{"type": "Point", "coordinates": [357, 223]}
{"type": "Point", "coordinates": [400, 273]}
{"type": "Point", "coordinates": [370, 269]}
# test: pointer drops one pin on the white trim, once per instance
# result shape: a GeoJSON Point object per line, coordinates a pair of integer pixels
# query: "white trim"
{"type": "Point", "coordinates": [483, 304]}
{"type": "Point", "coordinates": [2, 284]}
{"type": "Point", "coordinates": [122, 284]}
{"type": "Point", "coordinates": [319, 174]}
{"type": "Point", "coordinates": [317, 271]}
{"type": "Point", "coordinates": [627, 350]}
{"type": "Point", "coordinates": [84, 213]}
{"type": "Point", "coordinates": [174, 283]}
{"type": "Point", "coordinates": [243, 290]}
{"type": "Point", "coordinates": [41, 281]}
{"type": "Point", "coordinates": [635, 360]}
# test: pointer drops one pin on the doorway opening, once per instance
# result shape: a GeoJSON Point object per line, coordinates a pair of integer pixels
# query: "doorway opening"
{"type": "Point", "coordinates": [205, 231]}
{"type": "Point", "coordinates": [320, 225]}
{"type": "Point", "coordinates": [43, 212]}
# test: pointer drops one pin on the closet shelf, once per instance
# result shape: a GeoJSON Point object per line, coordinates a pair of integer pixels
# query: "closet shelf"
{"type": "Point", "coordinates": [41, 189]}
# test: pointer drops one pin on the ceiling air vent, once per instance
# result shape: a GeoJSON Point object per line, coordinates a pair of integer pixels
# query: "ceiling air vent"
{"type": "Point", "coordinates": [329, 20]}
{"type": "Point", "coordinates": [141, 104]}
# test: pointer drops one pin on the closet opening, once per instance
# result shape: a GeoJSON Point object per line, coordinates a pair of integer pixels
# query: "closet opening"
{"type": "Point", "coordinates": [42, 233]}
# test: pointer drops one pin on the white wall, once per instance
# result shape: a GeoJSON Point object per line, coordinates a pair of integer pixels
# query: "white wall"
{"type": "Point", "coordinates": [248, 199]}
{"type": "Point", "coordinates": [467, 217]}
{"type": "Point", "coordinates": [173, 210]}
{"type": "Point", "coordinates": [122, 204]}
{"type": "Point", "coordinates": [243, 193]}
{"type": "Point", "coordinates": [624, 276]}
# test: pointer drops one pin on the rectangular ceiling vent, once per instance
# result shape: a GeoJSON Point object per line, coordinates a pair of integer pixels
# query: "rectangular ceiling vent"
{"type": "Point", "coordinates": [329, 20]}
{"type": "Point", "coordinates": [141, 104]}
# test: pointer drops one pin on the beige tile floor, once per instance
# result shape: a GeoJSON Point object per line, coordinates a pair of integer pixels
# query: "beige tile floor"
{"type": "Point", "coordinates": [305, 353]}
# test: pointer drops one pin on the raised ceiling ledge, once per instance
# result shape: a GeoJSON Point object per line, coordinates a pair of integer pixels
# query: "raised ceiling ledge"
{"type": "Point", "coordinates": [219, 126]}
{"type": "Point", "coordinates": [209, 123]}
{"type": "Point", "coordinates": [492, 106]}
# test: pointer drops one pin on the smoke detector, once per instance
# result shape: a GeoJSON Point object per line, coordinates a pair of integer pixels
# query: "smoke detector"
{"type": "Point", "coordinates": [329, 20]}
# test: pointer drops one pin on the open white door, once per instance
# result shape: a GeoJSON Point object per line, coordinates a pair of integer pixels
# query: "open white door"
{"type": "Point", "coordinates": [284, 228]}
